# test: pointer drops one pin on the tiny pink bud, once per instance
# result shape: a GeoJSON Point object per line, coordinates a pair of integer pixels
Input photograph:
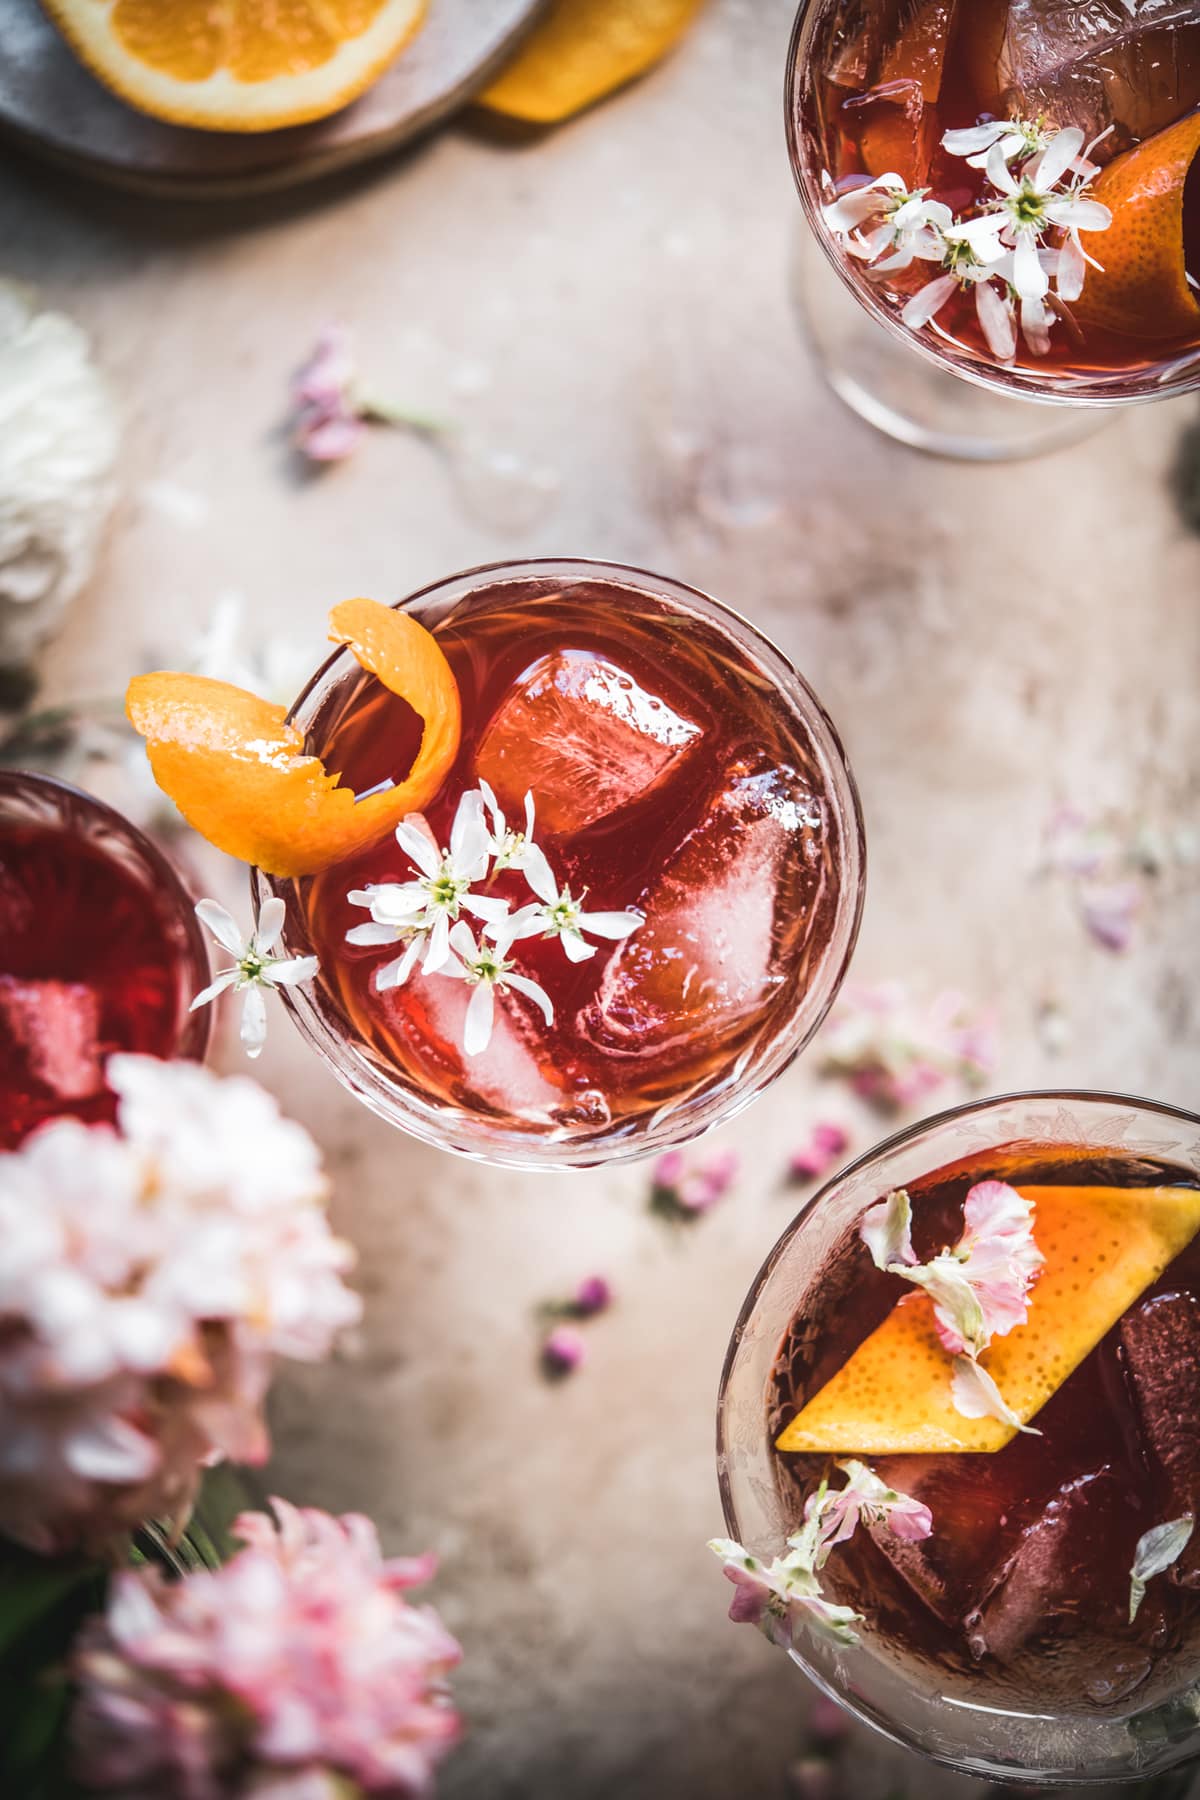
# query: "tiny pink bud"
{"type": "Point", "coordinates": [811, 1779]}
{"type": "Point", "coordinates": [592, 1296]}
{"type": "Point", "coordinates": [827, 1144]}
{"type": "Point", "coordinates": [563, 1351]}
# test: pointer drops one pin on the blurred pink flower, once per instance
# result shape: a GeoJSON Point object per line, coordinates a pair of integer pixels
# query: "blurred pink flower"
{"type": "Point", "coordinates": [563, 1351]}
{"type": "Point", "coordinates": [1110, 913]}
{"type": "Point", "coordinates": [826, 1146]}
{"type": "Point", "coordinates": [150, 1274]}
{"type": "Point", "coordinates": [299, 1669]}
{"type": "Point", "coordinates": [329, 417]}
{"type": "Point", "coordinates": [592, 1296]}
{"type": "Point", "coordinates": [686, 1190]}
{"type": "Point", "coordinates": [895, 1053]}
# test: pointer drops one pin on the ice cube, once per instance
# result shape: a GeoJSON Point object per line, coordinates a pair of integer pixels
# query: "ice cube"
{"type": "Point", "coordinates": [506, 1077]}
{"type": "Point", "coordinates": [1101, 62]}
{"type": "Point", "coordinates": [584, 736]}
{"type": "Point", "coordinates": [731, 903]}
{"type": "Point", "coordinates": [1046, 1585]}
{"type": "Point", "coordinates": [1160, 1341]}
{"type": "Point", "coordinates": [969, 1499]}
{"type": "Point", "coordinates": [56, 1025]}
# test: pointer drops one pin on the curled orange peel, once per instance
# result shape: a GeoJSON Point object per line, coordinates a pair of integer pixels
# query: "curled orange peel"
{"type": "Point", "coordinates": [239, 772]}
{"type": "Point", "coordinates": [1142, 289]}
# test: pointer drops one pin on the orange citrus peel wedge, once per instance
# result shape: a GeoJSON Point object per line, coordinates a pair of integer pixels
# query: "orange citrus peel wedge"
{"type": "Point", "coordinates": [242, 65]}
{"type": "Point", "coordinates": [1142, 289]}
{"type": "Point", "coordinates": [583, 50]}
{"type": "Point", "coordinates": [239, 773]}
{"type": "Point", "coordinates": [1103, 1247]}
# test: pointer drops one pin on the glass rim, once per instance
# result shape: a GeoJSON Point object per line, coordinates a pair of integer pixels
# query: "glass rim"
{"type": "Point", "coordinates": [531, 1151]}
{"type": "Point", "coordinates": [1100, 393]}
{"type": "Point", "coordinates": [194, 1029]}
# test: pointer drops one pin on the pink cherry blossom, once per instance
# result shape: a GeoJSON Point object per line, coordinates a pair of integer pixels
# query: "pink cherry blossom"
{"type": "Point", "coordinates": [297, 1669]}
{"type": "Point", "coordinates": [833, 1515]}
{"type": "Point", "coordinates": [151, 1274]}
{"type": "Point", "coordinates": [687, 1189]}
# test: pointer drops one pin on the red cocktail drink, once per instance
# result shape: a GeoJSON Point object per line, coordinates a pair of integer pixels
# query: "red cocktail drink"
{"type": "Point", "coordinates": [1046, 1618]}
{"type": "Point", "coordinates": [683, 786]}
{"type": "Point", "coordinates": [1073, 130]}
{"type": "Point", "coordinates": [99, 952]}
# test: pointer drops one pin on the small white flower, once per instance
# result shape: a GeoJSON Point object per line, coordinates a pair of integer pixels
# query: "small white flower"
{"type": "Point", "coordinates": [1016, 139]}
{"type": "Point", "coordinates": [910, 225]}
{"type": "Point", "coordinates": [1157, 1550]}
{"type": "Point", "coordinates": [419, 913]}
{"type": "Point", "coordinates": [558, 914]}
{"type": "Point", "coordinates": [487, 968]}
{"type": "Point", "coordinates": [1033, 201]}
{"type": "Point", "coordinates": [254, 968]}
{"type": "Point", "coordinates": [507, 847]}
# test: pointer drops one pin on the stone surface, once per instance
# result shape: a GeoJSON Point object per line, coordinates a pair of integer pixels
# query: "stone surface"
{"type": "Point", "coordinates": [604, 315]}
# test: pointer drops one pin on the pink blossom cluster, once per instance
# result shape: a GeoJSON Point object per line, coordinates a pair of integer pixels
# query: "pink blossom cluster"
{"type": "Point", "coordinates": [330, 419]}
{"type": "Point", "coordinates": [895, 1053]}
{"type": "Point", "coordinates": [299, 1671]}
{"type": "Point", "coordinates": [150, 1275]}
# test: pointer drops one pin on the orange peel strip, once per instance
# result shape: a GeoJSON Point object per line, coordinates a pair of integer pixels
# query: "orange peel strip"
{"type": "Point", "coordinates": [239, 773]}
{"type": "Point", "coordinates": [1103, 1247]}
{"type": "Point", "coordinates": [1142, 290]}
{"type": "Point", "coordinates": [583, 50]}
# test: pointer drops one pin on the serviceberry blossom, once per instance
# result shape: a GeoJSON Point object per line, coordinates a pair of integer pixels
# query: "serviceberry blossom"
{"type": "Point", "coordinates": [150, 1275]}
{"type": "Point", "coordinates": [557, 914]}
{"type": "Point", "coordinates": [895, 1052]}
{"type": "Point", "coordinates": [420, 913]}
{"type": "Point", "coordinates": [298, 1671]}
{"type": "Point", "coordinates": [827, 1144]}
{"type": "Point", "coordinates": [1158, 1550]}
{"type": "Point", "coordinates": [255, 967]}
{"type": "Point", "coordinates": [507, 846]}
{"type": "Point", "coordinates": [907, 226]}
{"type": "Point", "coordinates": [488, 970]}
{"type": "Point", "coordinates": [1018, 252]}
{"type": "Point", "coordinates": [784, 1598]}
{"type": "Point", "coordinates": [686, 1190]}
{"type": "Point", "coordinates": [979, 1289]}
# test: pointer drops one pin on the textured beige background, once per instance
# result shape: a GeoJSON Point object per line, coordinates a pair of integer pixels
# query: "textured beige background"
{"type": "Point", "coordinates": [604, 314]}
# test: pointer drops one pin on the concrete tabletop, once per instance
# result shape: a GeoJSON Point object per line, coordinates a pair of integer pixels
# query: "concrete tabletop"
{"type": "Point", "coordinates": [602, 314]}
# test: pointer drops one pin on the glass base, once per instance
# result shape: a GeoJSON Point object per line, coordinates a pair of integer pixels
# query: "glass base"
{"type": "Point", "coordinates": [908, 398]}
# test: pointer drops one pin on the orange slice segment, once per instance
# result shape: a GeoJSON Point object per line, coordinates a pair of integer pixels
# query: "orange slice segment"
{"type": "Point", "coordinates": [1103, 1247]}
{"type": "Point", "coordinates": [1142, 290]}
{"type": "Point", "coordinates": [239, 773]}
{"type": "Point", "coordinates": [241, 65]}
{"type": "Point", "coordinates": [583, 50]}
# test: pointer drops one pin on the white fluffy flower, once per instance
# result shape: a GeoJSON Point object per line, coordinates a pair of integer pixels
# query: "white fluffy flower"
{"type": "Point", "coordinates": [557, 914]}
{"type": "Point", "coordinates": [58, 446]}
{"type": "Point", "coordinates": [149, 1276]}
{"type": "Point", "coordinates": [488, 971]}
{"type": "Point", "coordinates": [254, 967]}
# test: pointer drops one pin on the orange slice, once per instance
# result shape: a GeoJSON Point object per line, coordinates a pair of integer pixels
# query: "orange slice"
{"type": "Point", "coordinates": [239, 774]}
{"type": "Point", "coordinates": [900, 131]}
{"type": "Point", "coordinates": [1142, 290]}
{"type": "Point", "coordinates": [1103, 1247]}
{"type": "Point", "coordinates": [237, 65]}
{"type": "Point", "coordinates": [583, 50]}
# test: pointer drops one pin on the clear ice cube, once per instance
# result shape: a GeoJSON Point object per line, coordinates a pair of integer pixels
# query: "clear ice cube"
{"type": "Point", "coordinates": [584, 736]}
{"type": "Point", "coordinates": [56, 1027]}
{"type": "Point", "coordinates": [738, 889]}
{"type": "Point", "coordinates": [1125, 63]}
{"type": "Point", "coordinates": [1044, 1586]}
{"type": "Point", "coordinates": [1160, 1341]}
{"type": "Point", "coordinates": [507, 1076]}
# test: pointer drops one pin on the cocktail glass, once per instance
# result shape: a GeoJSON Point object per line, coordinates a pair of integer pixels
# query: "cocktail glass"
{"type": "Point", "coordinates": [677, 765]}
{"type": "Point", "coordinates": [879, 82]}
{"type": "Point", "coordinates": [1001, 1644]}
{"type": "Point", "coordinates": [100, 951]}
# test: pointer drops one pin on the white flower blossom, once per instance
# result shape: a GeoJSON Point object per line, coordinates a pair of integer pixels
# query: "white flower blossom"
{"type": "Point", "coordinates": [507, 847]}
{"type": "Point", "coordinates": [488, 970]}
{"type": "Point", "coordinates": [254, 968]}
{"type": "Point", "coordinates": [1032, 201]}
{"type": "Point", "coordinates": [909, 226]}
{"type": "Point", "coordinates": [419, 913]}
{"type": "Point", "coordinates": [558, 914]}
{"type": "Point", "coordinates": [149, 1275]}
{"type": "Point", "coordinates": [1158, 1550]}
{"type": "Point", "coordinates": [1016, 138]}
